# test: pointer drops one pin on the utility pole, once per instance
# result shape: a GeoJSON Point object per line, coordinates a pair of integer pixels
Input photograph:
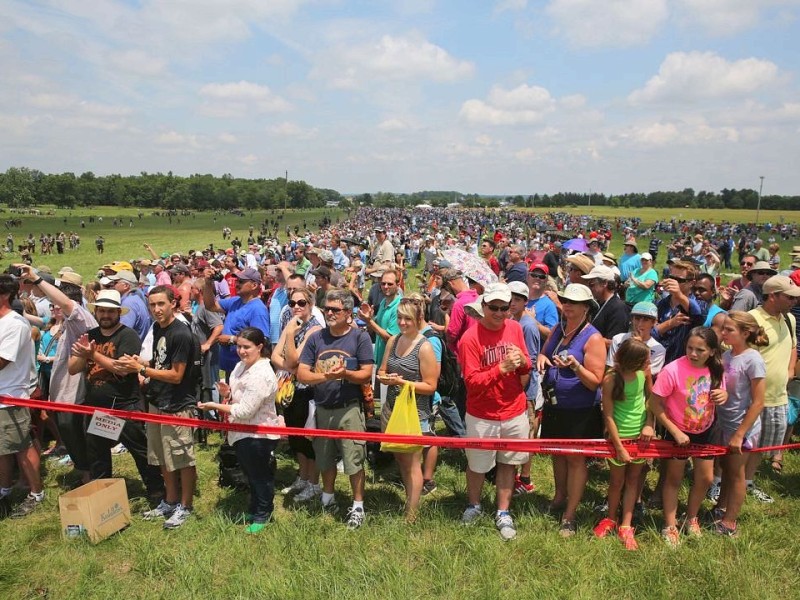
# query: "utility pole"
{"type": "Point", "coordinates": [286, 189]}
{"type": "Point", "coordinates": [760, 189]}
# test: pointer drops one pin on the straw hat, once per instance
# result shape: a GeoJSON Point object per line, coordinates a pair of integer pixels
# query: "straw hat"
{"type": "Point", "coordinates": [108, 299]}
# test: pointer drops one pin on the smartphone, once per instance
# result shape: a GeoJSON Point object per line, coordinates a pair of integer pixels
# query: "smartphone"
{"type": "Point", "coordinates": [351, 363]}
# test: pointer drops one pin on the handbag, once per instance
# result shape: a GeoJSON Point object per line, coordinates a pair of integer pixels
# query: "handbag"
{"type": "Point", "coordinates": [404, 421]}
{"type": "Point", "coordinates": [285, 393]}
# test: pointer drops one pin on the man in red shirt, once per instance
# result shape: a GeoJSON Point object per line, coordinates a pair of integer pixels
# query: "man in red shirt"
{"type": "Point", "coordinates": [496, 368]}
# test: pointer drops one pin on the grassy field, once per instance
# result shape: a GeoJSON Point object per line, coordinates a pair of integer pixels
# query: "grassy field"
{"type": "Point", "coordinates": [305, 554]}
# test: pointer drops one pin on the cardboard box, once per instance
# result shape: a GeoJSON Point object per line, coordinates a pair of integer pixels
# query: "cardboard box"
{"type": "Point", "coordinates": [96, 509]}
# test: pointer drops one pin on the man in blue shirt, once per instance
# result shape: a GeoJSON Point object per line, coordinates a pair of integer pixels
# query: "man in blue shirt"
{"type": "Point", "coordinates": [541, 304]}
{"type": "Point", "coordinates": [138, 316]}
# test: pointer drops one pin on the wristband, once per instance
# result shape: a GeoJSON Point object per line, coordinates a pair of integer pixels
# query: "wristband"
{"type": "Point", "coordinates": [36, 281]}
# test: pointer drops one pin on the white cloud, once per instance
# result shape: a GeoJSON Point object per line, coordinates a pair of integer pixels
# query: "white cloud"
{"type": "Point", "coordinates": [684, 77]}
{"type": "Point", "coordinates": [394, 124]}
{"type": "Point", "coordinates": [249, 160]}
{"type": "Point", "coordinates": [616, 23]}
{"type": "Point", "coordinates": [138, 62]}
{"type": "Point", "coordinates": [522, 105]}
{"type": "Point", "coordinates": [728, 17]}
{"type": "Point", "coordinates": [238, 99]}
{"type": "Point", "coordinates": [510, 5]}
{"type": "Point", "coordinates": [692, 131]}
{"type": "Point", "coordinates": [292, 130]}
{"type": "Point", "coordinates": [227, 138]}
{"type": "Point", "coordinates": [390, 58]}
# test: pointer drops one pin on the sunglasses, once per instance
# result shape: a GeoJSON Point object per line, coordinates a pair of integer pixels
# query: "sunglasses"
{"type": "Point", "coordinates": [680, 279]}
{"type": "Point", "coordinates": [332, 309]}
{"type": "Point", "coordinates": [385, 284]}
{"type": "Point", "coordinates": [744, 263]}
{"type": "Point", "coordinates": [496, 308]}
{"type": "Point", "coordinates": [568, 301]}
{"type": "Point", "coordinates": [541, 276]}
{"type": "Point", "coordinates": [300, 303]}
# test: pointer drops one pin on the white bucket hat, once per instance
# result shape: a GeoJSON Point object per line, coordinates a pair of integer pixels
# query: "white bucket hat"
{"type": "Point", "coordinates": [577, 292]}
{"type": "Point", "coordinates": [108, 299]}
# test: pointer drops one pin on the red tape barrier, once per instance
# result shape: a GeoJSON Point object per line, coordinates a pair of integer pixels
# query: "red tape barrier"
{"type": "Point", "coordinates": [594, 448]}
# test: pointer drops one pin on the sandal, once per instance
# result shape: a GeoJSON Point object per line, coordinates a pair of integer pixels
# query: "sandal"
{"type": "Point", "coordinates": [777, 466]}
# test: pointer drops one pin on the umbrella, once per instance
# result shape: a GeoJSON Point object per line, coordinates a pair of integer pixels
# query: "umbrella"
{"type": "Point", "coordinates": [577, 244]}
{"type": "Point", "coordinates": [470, 265]}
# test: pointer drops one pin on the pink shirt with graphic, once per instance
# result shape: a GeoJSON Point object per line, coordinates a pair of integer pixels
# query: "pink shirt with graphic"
{"type": "Point", "coordinates": [687, 395]}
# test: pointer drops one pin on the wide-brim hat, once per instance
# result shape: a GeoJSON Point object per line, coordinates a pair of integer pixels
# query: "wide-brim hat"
{"type": "Point", "coordinates": [108, 299]}
{"type": "Point", "coordinates": [577, 292]}
{"type": "Point", "coordinates": [762, 266]}
{"type": "Point", "coordinates": [631, 242]}
{"type": "Point", "coordinates": [582, 262]}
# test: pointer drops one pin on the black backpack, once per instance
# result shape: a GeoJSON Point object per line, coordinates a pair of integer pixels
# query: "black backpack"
{"type": "Point", "coordinates": [450, 383]}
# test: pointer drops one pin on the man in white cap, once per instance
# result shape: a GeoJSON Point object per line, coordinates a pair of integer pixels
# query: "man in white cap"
{"type": "Point", "coordinates": [780, 294]}
{"type": "Point", "coordinates": [612, 317]}
{"type": "Point", "coordinates": [496, 367]}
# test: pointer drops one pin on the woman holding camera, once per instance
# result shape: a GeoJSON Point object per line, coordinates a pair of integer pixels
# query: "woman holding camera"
{"type": "Point", "coordinates": [573, 363]}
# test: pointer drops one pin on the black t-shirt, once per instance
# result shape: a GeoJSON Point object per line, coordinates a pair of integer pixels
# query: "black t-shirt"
{"type": "Point", "coordinates": [173, 344]}
{"type": "Point", "coordinates": [551, 260]}
{"type": "Point", "coordinates": [612, 318]}
{"type": "Point", "coordinates": [104, 388]}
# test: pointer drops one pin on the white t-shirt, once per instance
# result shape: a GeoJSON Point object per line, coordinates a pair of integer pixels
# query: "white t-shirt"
{"type": "Point", "coordinates": [16, 346]}
{"type": "Point", "coordinates": [657, 352]}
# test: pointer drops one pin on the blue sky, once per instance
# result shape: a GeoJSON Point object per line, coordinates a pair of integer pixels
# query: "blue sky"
{"type": "Point", "coordinates": [503, 97]}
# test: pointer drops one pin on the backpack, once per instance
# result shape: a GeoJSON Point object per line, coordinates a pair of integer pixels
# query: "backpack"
{"type": "Point", "coordinates": [450, 383]}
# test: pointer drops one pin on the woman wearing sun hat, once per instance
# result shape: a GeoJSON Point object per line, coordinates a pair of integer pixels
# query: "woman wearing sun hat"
{"type": "Point", "coordinates": [573, 363]}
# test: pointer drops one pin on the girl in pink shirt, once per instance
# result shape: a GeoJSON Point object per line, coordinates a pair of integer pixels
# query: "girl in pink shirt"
{"type": "Point", "coordinates": [683, 401]}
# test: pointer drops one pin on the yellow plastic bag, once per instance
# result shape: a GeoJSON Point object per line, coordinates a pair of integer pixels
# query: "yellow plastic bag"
{"type": "Point", "coordinates": [404, 421]}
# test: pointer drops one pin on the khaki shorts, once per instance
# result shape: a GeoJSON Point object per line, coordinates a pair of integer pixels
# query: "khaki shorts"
{"type": "Point", "coordinates": [15, 430]}
{"type": "Point", "coordinates": [328, 450]}
{"type": "Point", "coordinates": [170, 446]}
{"type": "Point", "coordinates": [482, 461]}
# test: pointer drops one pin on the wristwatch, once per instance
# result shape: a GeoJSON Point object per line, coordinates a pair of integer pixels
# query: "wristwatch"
{"type": "Point", "coordinates": [142, 371]}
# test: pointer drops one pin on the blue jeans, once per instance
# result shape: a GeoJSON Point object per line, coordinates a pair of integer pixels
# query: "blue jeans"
{"type": "Point", "coordinates": [452, 417]}
{"type": "Point", "coordinates": [255, 458]}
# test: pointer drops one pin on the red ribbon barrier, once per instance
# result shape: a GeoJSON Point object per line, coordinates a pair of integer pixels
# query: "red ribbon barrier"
{"type": "Point", "coordinates": [593, 448]}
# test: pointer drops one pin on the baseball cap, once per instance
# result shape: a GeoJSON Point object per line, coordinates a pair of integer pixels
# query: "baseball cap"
{"type": "Point", "coordinates": [781, 284]}
{"type": "Point", "coordinates": [496, 291]}
{"type": "Point", "coordinates": [518, 288]}
{"type": "Point", "coordinates": [249, 274]}
{"type": "Point", "coordinates": [322, 271]}
{"type": "Point", "coordinates": [646, 256]}
{"type": "Point", "coordinates": [126, 276]}
{"type": "Point", "coordinates": [539, 267]}
{"type": "Point", "coordinates": [645, 309]}
{"type": "Point", "coordinates": [180, 269]}
{"type": "Point", "coordinates": [326, 256]}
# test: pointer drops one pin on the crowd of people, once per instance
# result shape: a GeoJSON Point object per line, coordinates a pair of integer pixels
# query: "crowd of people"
{"type": "Point", "coordinates": [562, 340]}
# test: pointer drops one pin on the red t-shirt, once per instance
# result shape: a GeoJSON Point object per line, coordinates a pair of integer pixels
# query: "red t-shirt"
{"type": "Point", "coordinates": [490, 394]}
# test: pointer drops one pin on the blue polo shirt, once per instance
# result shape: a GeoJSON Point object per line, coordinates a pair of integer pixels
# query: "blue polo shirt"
{"type": "Point", "coordinates": [239, 315]}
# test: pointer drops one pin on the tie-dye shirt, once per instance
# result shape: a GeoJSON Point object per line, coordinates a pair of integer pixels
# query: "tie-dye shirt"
{"type": "Point", "coordinates": [687, 395]}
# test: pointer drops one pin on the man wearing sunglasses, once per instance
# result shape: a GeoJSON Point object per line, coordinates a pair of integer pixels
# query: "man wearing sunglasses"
{"type": "Point", "coordinates": [544, 308]}
{"type": "Point", "coordinates": [679, 311]}
{"type": "Point", "coordinates": [751, 296]}
{"type": "Point", "coordinates": [496, 368]}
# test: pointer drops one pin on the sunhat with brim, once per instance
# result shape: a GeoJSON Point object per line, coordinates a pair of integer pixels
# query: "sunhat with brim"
{"type": "Point", "coordinates": [631, 242]}
{"type": "Point", "coordinates": [107, 299]}
{"type": "Point", "coordinates": [63, 270]}
{"type": "Point", "coordinates": [70, 277]}
{"type": "Point", "coordinates": [581, 262]}
{"type": "Point", "coordinates": [645, 309]}
{"type": "Point", "coordinates": [761, 266]}
{"type": "Point", "coordinates": [577, 292]}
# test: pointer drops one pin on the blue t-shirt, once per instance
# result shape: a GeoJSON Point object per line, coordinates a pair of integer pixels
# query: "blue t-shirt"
{"type": "Point", "coordinates": [239, 315]}
{"type": "Point", "coordinates": [436, 343]}
{"type": "Point", "coordinates": [530, 331]}
{"type": "Point", "coordinates": [324, 351]}
{"type": "Point", "coordinates": [278, 300]}
{"type": "Point", "coordinates": [138, 318]}
{"type": "Point", "coordinates": [546, 311]}
{"type": "Point", "coordinates": [628, 263]}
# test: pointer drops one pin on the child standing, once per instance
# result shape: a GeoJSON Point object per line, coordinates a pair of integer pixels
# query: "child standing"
{"type": "Point", "coordinates": [683, 401]}
{"type": "Point", "coordinates": [738, 424]}
{"type": "Point", "coordinates": [625, 414]}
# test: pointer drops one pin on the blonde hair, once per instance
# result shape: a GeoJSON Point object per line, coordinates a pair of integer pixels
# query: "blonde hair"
{"type": "Point", "coordinates": [746, 323]}
{"type": "Point", "coordinates": [413, 307]}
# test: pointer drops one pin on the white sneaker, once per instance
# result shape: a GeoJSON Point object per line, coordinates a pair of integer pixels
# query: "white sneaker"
{"type": "Point", "coordinates": [311, 491]}
{"type": "Point", "coordinates": [179, 516]}
{"type": "Point", "coordinates": [119, 449]}
{"type": "Point", "coordinates": [298, 486]}
{"type": "Point", "coordinates": [505, 525]}
{"type": "Point", "coordinates": [162, 511]}
{"type": "Point", "coordinates": [471, 514]}
{"type": "Point", "coordinates": [714, 492]}
{"type": "Point", "coordinates": [355, 517]}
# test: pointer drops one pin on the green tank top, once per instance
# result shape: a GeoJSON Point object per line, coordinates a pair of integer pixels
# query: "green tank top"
{"type": "Point", "coordinates": [630, 413]}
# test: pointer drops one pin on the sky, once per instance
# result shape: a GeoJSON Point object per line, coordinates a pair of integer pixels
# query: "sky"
{"type": "Point", "coordinates": [488, 97]}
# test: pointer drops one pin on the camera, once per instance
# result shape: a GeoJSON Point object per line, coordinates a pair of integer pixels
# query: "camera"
{"type": "Point", "coordinates": [549, 393]}
{"type": "Point", "coordinates": [13, 270]}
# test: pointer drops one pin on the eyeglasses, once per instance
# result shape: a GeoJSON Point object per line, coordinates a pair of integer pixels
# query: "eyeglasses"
{"type": "Point", "coordinates": [332, 309]}
{"type": "Point", "coordinates": [496, 308]}
{"type": "Point", "coordinates": [541, 276]}
{"type": "Point", "coordinates": [300, 303]}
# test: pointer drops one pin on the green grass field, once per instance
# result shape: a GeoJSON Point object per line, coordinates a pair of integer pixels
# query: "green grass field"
{"type": "Point", "coordinates": [305, 554]}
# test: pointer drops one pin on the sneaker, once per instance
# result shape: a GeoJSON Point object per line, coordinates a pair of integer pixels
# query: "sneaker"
{"type": "Point", "coordinates": [471, 514]}
{"type": "Point", "coordinates": [298, 486]}
{"type": "Point", "coordinates": [567, 528]}
{"type": "Point", "coordinates": [355, 517]}
{"type": "Point", "coordinates": [308, 493]}
{"type": "Point", "coordinates": [713, 492]}
{"type": "Point", "coordinates": [672, 536]}
{"type": "Point", "coordinates": [162, 511]}
{"type": "Point", "coordinates": [119, 449]}
{"type": "Point", "coordinates": [601, 508]}
{"type": "Point", "coordinates": [721, 529]}
{"type": "Point", "coordinates": [26, 507]}
{"type": "Point", "coordinates": [331, 507]}
{"type": "Point", "coordinates": [760, 495]}
{"type": "Point", "coordinates": [521, 488]}
{"type": "Point", "coordinates": [692, 527]}
{"type": "Point", "coordinates": [428, 487]}
{"type": "Point", "coordinates": [254, 527]}
{"type": "Point", "coordinates": [64, 461]}
{"type": "Point", "coordinates": [505, 525]}
{"type": "Point", "coordinates": [605, 527]}
{"type": "Point", "coordinates": [626, 536]}
{"type": "Point", "coordinates": [179, 516]}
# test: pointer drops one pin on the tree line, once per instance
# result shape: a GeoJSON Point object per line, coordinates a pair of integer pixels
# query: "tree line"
{"type": "Point", "coordinates": [24, 187]}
